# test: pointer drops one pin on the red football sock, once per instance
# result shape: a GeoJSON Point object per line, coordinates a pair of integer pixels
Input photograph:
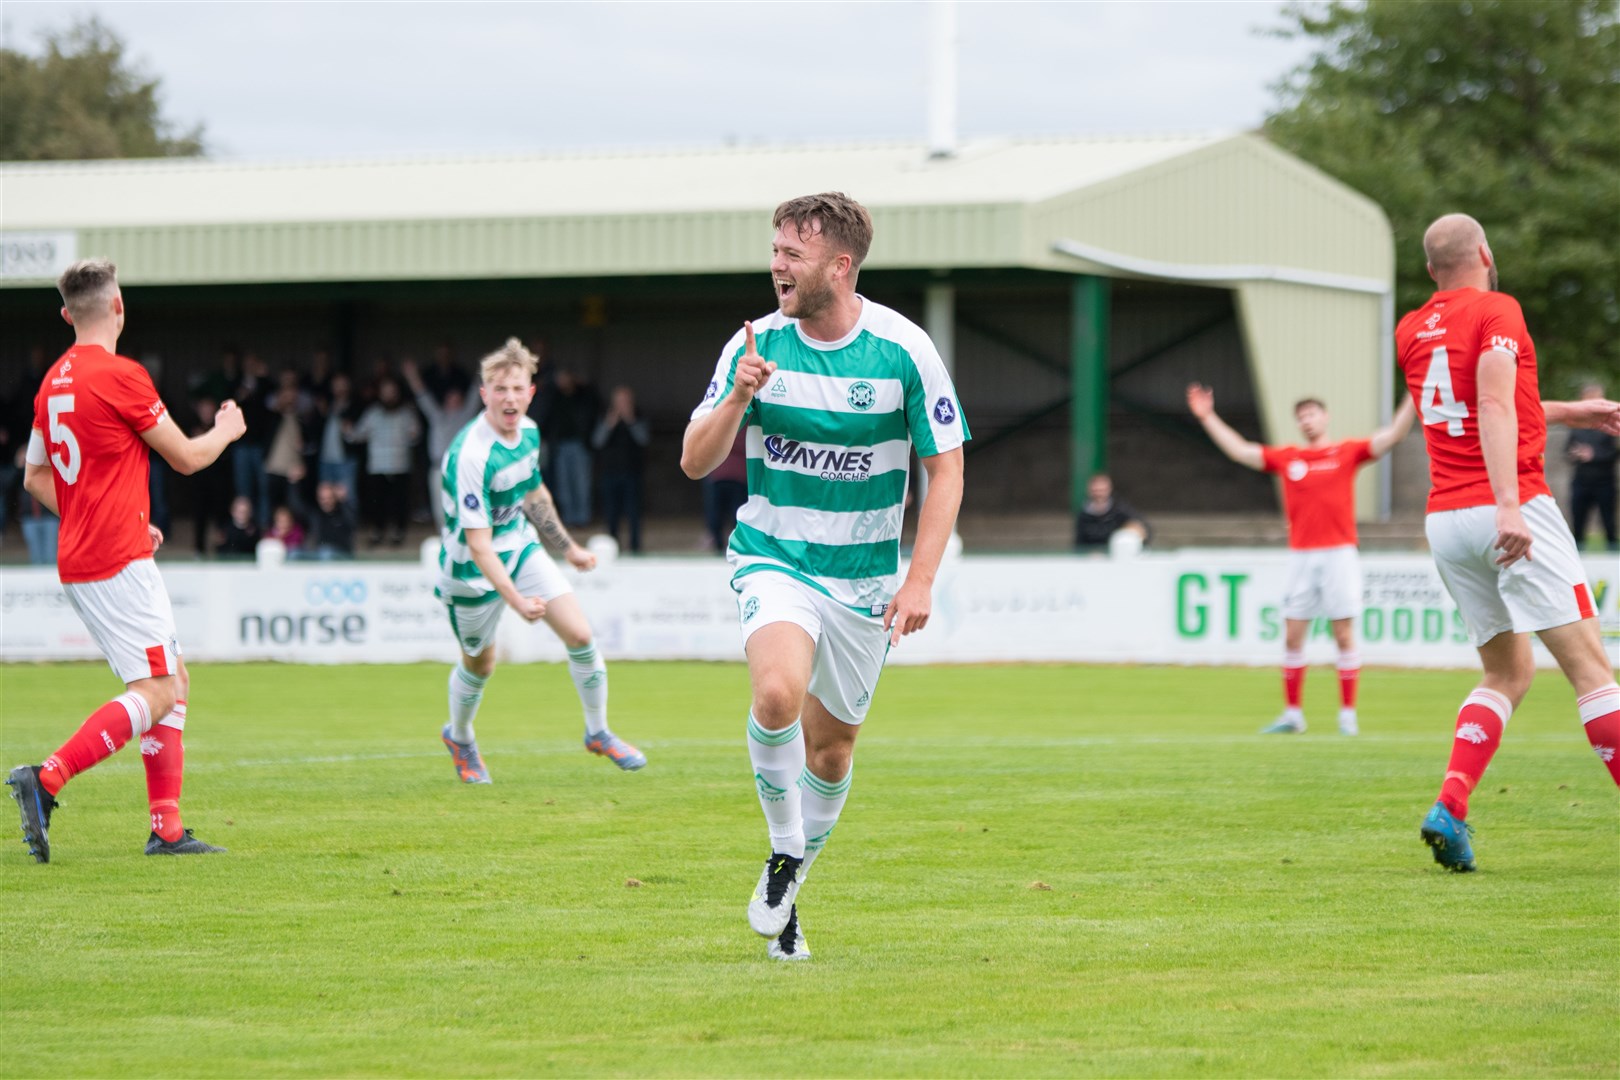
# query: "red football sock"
{"type": "Point", "coordinates": [1293, 678]}
{"type": "Point", "coordinates": [163, 753]}
{"type": "Point", "coordinates": [1349, 675]}
{"type": "Point", "coordinates": [1480, 722]}
{"type": "Point", "coordinates": [102, 735]}
{"type": "Point", "coordinates": [1600, 715]}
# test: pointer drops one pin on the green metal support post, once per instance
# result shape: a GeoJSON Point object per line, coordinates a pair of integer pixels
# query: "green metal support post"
{"type": "Point", "coordinates": [1088, 373]}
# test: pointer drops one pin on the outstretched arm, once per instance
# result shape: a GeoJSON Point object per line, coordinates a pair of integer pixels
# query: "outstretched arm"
{"type": "Point", "coordinates": [1597, 413]}
{"type": "Point", "coordinates": [541, 511]}
{"type": "Point", "coordinates": [1384, 439]}
{"type": "Point", "coordinates": [1201, 402]}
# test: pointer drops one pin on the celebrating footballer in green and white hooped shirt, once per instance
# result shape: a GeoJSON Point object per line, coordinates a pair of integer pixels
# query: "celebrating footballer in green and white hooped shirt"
{"type": "Point", "coordinates": [497, 515]}
{"type": "Point", "coordinates": [834, 391]}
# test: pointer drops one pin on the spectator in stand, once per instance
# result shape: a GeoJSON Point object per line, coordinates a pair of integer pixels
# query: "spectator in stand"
{"type": "Point", "coordinates": [567, 427]}
{"type": "Point", "coordinates": [241, 534]}
{"type": "Point", "coordinates": [724, 492]}
{"type": "Point", "coordinates": [1594, 455]}
{"type": "Point", "coordinates": [39, 525]}
{"type": "Point", "coordinates": [338, 461]}
{"type": "Point", "coordinates": [284, 527]}
{"type": "Point", "coordinates": [13, 439]}
{"type": "Point", "coordinates": [446, 415]}
{"type": "Point", "coordinates": [620, 440]}
{"type": "Point", "coordinates": [331, 525]}
{"type": "Point", "coordinates": [210, 488]}
{"type": "Point", "coordinates": [1104, 514]}
{"type": "Point", "coordinates": [444, 376]}
{"type": "Point", "coordinates": [248, 452]}
{"type": "Point", "coordinates": [318, 379]}
{"type": "Point", "coordinates": [284, 463]}
{"type": "Point", "coordinates": [223, 381]}
{"type": "Point", "coordinates": [389, 429]}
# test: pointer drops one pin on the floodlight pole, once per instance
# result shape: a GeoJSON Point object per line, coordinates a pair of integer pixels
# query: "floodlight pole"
{"type": "Point", "coordinates": [942, 79]}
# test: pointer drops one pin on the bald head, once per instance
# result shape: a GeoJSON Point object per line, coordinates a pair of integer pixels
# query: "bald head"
{"type": "Point", "coordinates": [1458, 254]}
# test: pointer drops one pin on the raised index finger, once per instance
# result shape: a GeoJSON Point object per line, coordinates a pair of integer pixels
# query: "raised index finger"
{"type": "Point", "coordinates": [748, 339]}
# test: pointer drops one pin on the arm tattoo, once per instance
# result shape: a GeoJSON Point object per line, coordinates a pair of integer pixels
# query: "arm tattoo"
{"type": "Point", "coordinates": [542, 513]}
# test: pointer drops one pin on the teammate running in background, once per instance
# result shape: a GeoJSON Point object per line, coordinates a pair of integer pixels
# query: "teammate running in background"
{"type": "Point", "coordinates": [94, 418]}
{"type": "Point", "coordinates": [490, 558]}
{"type": "Point", "coordinates": [1499, 541]}
{"type": "Point", "coordinates": [1324, 570]}
{"type": "Point", "coordinates": [833, 390]}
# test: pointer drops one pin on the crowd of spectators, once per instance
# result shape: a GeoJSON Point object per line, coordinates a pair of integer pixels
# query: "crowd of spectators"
{"type": "Point", "coordinates": [334, 463]}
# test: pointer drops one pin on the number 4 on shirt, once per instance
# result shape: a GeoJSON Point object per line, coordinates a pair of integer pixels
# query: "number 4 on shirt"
{"type": "Point", "coordinates": [1439, 404]}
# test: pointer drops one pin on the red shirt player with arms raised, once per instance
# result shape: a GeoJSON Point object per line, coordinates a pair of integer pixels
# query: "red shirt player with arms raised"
{"type": "Point", "coordinates": [94, 418]}
{"type": "Point", "coordinates": [1324, 569]}
{"type": "Point", "coordinates": [1499, 541]}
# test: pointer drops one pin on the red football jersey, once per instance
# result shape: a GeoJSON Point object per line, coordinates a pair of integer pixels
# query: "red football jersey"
{"type": "Point", "coordinates": [1319, 491]}
{"type": "Point", "coordinates": [90, 410]}
{"type": "Point", "coordinates": [1438, 347]}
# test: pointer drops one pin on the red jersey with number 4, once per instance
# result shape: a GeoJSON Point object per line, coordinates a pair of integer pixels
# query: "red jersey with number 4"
{"type": "Point", "coordinates": [1438, 347]}
{"type": "Point", "coordinates": [1319, 491]}
{"type": "Point", "coordinates": [90, 411]}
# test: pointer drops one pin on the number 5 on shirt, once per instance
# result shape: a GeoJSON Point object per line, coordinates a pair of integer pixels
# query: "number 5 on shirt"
{"type": "Point", "coordinates": [62, 435]}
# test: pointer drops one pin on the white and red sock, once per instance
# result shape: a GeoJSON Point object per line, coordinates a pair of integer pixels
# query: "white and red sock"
{"type": "Point", "coordinates": [1293, 678]}
{"type": "Point", "coordinates": [163, 753]}
{"type": "Point", "coordinates": [1349, 677]}
{"type": "Point", "coordinates": [101, 736]}
{"type": "Point", "coordinates": [1600, 716]}
{"type": "Point", "coordinates": [1480, 723]}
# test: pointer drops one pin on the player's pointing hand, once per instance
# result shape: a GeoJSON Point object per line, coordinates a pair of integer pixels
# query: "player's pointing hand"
{"type": "Point", "coordinates": [229, 419]}
{"type": "Point", "coordinates": [752, 369]}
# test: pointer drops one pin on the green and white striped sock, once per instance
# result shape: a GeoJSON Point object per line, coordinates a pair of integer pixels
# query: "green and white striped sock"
{"type": "Point", "coordinates": [778, 759]}
{"type": "Point", "coordinates": [821, 802]}
{"type": "Point", "coordinates": [585, 664]}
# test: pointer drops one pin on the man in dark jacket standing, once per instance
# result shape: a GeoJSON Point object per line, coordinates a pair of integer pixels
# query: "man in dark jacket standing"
{"type": "Point", "coordinates": [1592, 488]}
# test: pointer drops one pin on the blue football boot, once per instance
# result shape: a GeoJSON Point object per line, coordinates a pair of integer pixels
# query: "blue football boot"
{"type": "Point", "coordinates": [1448, 836]}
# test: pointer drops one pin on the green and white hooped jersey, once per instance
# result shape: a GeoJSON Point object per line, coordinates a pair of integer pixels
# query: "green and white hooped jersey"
{"type": "Point", "coordinates": [483, 482]}
{"type": "Point", "coordinates": [829, 441]}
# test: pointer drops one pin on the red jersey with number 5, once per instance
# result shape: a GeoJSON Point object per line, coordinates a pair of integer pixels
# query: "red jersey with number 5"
{"type": "Point", "coordinates": [90, 411]}
{"type": "Point", "coordinates": [1438, 347]}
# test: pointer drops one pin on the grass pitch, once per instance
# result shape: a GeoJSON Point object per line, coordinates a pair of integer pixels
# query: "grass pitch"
{"type": "Point", "coordinates": [1041, 871]}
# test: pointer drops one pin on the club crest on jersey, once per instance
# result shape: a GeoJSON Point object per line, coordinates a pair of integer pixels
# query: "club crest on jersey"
{"type": "Point", "coordinates": [944, 411]}
{"type": "Point", "coordinates": [470, 502]}
{"type": "Point", "coordinates": [862, 395]}
{"type": "Point", "coordinates": [1297, 470]}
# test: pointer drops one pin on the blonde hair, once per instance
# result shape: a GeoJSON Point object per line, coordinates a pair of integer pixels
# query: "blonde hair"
{"type": "Point", "coordinates": [86, 286]}
{"type": "Point", "coordinates": [512, 354]}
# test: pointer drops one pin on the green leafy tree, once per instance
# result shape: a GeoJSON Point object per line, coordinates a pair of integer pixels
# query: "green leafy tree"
{"type": "Point", "coordinates": [82, 98]}
{"type": "Point", "coordinates": [1509, 111]}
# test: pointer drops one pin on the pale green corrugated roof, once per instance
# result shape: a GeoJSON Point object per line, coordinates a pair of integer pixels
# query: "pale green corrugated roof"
{"type": "Point", "coordinates": [196, 192]}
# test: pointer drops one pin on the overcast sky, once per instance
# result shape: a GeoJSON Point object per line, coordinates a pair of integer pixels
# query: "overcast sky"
{"type": "Point", "coordinates": [324, 80]}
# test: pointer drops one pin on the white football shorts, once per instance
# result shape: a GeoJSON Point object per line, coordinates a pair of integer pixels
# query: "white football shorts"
{"type": "Point", "coordinates": [850, 645]}
{"type": "Point", "coordinates": [130, 620]}
{"type": "Point", "coordinates": [1323, 583]}
{"type": "Point", "coordinates": [474, 624]}
{"type": "Point", "coordinates": [1549, 589]}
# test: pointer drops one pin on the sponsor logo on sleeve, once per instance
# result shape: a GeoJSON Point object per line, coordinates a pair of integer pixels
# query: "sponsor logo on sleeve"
{"type": "Point", "coordinates": [470, 502]}
{"type": "Point", "coordinates": [944, 411]}
{"type": "Point", "coordinates": [714, 388]}
{"type": "Point", "coordinates": [750, 608]}
{"type": "Point", "coordinates": [1506, 344]}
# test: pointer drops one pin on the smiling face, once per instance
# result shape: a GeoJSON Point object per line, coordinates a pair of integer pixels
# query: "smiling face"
{"type": "Point", "coordinates": [803, 268]}
{"type": "Point", "coordinates": [506, 394]}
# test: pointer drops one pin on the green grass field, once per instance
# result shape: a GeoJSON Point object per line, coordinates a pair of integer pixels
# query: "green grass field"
{"type": "Point", "coordinates": [1041, 871]}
